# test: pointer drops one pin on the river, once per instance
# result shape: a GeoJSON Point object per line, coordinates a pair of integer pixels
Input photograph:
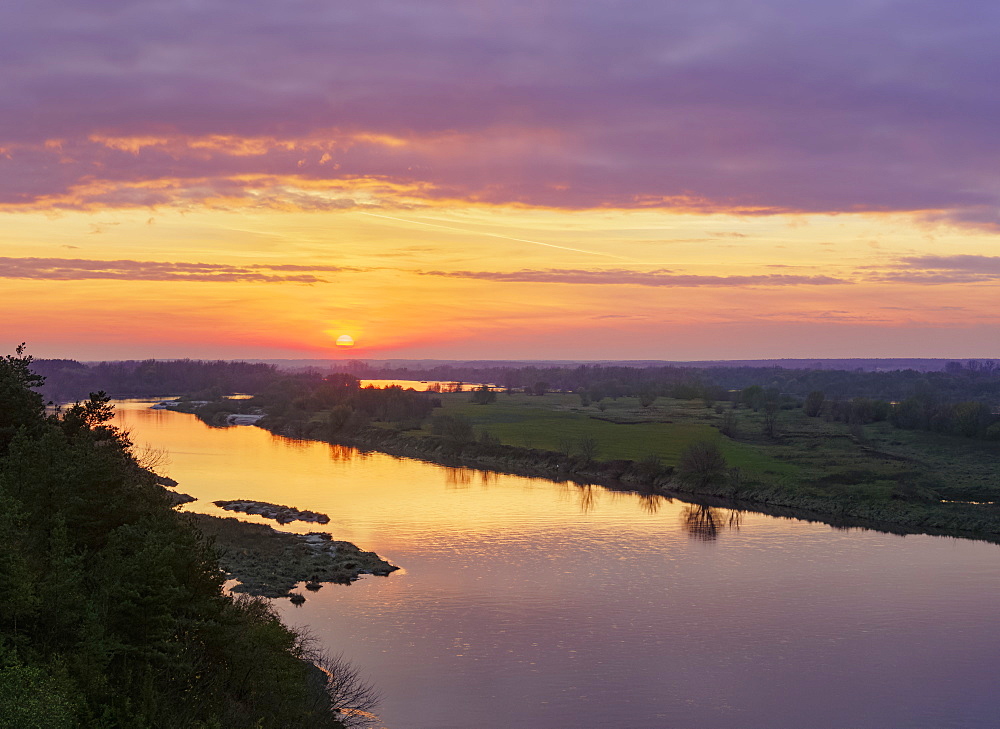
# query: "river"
{"type": "Point", "coordinates": [529, 604]}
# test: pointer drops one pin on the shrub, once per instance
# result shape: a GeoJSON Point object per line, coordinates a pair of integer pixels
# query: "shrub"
{"type": "Point", "coordinates": [701, 464]}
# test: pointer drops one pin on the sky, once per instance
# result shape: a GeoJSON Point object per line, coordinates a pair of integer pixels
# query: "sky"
{"type": "Point", "coordinates": [477, 179]}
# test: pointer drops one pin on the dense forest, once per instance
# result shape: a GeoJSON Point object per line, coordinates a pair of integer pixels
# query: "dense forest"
{"type": "Point", "coordinates": [111, 608]}
{"type": "Point", "coordinates": [958, 381]}
{"type": "Point", "coordinates": [67, 380]}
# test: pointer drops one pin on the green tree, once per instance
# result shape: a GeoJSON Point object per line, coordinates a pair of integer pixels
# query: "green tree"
{"type": "Point", "coordinates": [753, 397]}
{"type": "Point", "coordinates": [971, 418]}
{"type": "Point", "coordinates": [814, 403]}
{"type": "Point", "coordinates": [20, 405]}
{"type": "Point", "coordinates": [111, 610]}
{"type": "Point", "coordinates": [483, 395]}
{"type": "Point", "coordinates": [456, 428]}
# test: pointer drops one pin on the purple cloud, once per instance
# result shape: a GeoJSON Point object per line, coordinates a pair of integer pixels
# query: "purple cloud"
{"type": "Point", "coordinates": [763, 106]}
{"type": "Point", "coordinates": [938, 270]}
{"type": "Point", "coordinates": [962, 262]}
{"type": "Point", "coordinates": [76, 269]}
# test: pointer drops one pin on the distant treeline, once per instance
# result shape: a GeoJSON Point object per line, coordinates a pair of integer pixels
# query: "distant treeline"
{"type": "Point", "coordinates": [946, 401]}
{"type": "Point", "coordinates": [111, 605]}
{"type": "Point", "coordinates": [67, 380]}
{"type": "Point", "coordinates": [978, 380]}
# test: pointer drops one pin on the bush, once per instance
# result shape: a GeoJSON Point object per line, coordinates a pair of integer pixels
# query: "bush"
{"type": "Point", "coordinates": [814, 403]}
{"type": "Point", "coordinates": [702, 464]}
{"type": "Point", "coordinates": [483, 395]}
{"type": "Point", "coordinates": [456, 428]}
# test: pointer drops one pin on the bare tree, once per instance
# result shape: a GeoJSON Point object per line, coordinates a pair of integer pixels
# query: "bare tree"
{"type": "Point", "coordinates": [729, 426]}
{"type": "Point", "coordinates": [701, 464]}
{"type": "Point", "coordinates": [771, 418]}
{"type": "Point", "coordinates": [588, 448]}
{"type": "Point", "coordinates": [354, 698]}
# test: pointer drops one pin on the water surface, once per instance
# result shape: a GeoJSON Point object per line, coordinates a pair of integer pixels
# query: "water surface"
{"type": "Point", "coordinates": [532, 604]}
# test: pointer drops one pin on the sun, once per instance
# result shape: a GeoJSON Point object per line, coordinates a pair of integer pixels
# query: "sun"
{"type": "Point", "coordinates": [345, 340]}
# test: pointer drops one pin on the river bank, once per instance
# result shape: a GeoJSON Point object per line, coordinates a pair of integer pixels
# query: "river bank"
{"type": "Point", "coordinates": [879, 478]}
{"type": "Point", "coordinates": [269, 563]}
{"type": "Point", "coordinates": [977, 521]}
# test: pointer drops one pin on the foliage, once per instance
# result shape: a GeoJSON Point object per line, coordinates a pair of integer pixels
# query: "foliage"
{"type": "Point", "coordinates": [334, 406]}
{"type": "Point", "coordinates": [814, 403]}
{"type": "Point", "coordinates": [33, 698]}
{"type": "Point", "coordinates": [69, 380]}
{"type": "Point", "coordinates": [483, 395]}
{"type": "Point", "coordinates": [974, 380]}
{"type": "Point", "coordinates": [702, 464]}
{"type": "Point", "coordinates": [455, 428]}
{"type": "Point", "coordinates": [111, 611]}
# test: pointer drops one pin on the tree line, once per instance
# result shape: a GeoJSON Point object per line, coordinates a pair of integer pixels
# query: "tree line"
{"type": "Point", "coordinates": [67, 380]}
{"type": "Point", "coordinates": [312, 406]}
{"type": "Point", "coordinates": [972, 380]}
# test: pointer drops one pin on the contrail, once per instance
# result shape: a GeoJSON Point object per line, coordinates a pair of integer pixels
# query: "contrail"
{"type": "Point", "coordinates": [497, 235]}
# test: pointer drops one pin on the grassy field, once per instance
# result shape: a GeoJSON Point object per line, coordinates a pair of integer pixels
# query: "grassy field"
{"type": "Point", "coordinates": [810, 455]}
{"type": "Point", "coordinates": [623, 430]}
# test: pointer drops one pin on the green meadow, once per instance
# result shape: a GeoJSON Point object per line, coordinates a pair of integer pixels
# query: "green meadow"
{"type": "Point", "coordinates": [623, 430]}
{"type": "Point", "coordinates": [808, 455]}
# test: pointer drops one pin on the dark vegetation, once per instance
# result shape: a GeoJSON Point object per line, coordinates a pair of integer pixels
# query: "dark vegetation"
{"type": "Point", "coordinates": [111, 610]}
{"type": "Point", "coordinates": [67, 380]}
{"type": "Point", "coordinates": [972, 380]}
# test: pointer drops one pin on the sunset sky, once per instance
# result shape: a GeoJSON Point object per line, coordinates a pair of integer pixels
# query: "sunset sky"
{"type": "Point", "coordinates": [483, 179]}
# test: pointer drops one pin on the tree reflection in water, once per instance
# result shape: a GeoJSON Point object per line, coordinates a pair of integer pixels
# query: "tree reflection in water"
{"type": "Point", "coordinates": [461, 477]}
{"type": "Point", "coordinates": [342, 453]}
{"type": "Point", "coordinates": [588, 498]}
{"type": "Point", "coordinates": [458, 478]}
{"type": "Point", "coordinates": [651, 503]}
{"type": "Point", "coordinates": [704, 522]}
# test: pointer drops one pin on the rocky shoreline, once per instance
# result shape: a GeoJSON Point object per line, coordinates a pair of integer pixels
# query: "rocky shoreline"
{"type": "Point", "coordinates": [270, 563]}
{"type": "Point", "coordinates": [281, 514]}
